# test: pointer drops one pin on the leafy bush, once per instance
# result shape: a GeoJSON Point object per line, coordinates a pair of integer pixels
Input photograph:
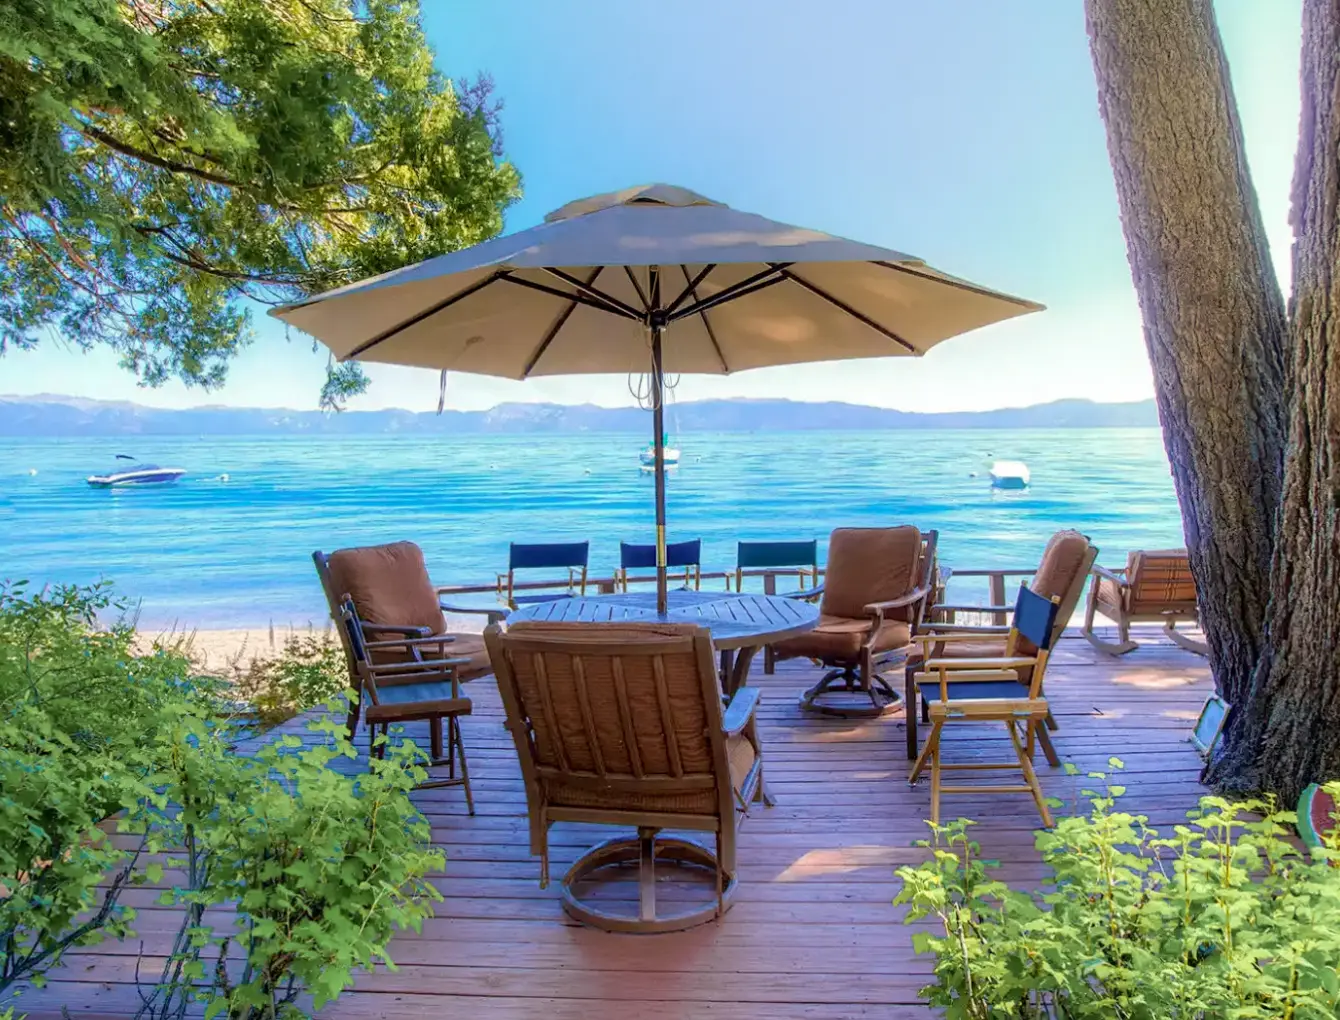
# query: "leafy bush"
{"type": "Point", "coordinates": [81, 719]}
{"type": "Point", "coordinates": [1224, 918]}
{"type": "Point", "coordinates": [322, 869]}
{"type": "Point", "coordinates": [310, 671]}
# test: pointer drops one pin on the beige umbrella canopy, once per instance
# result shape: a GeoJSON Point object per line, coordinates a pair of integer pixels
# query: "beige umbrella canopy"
{"type": "Point", "coordinates": [652, 279]}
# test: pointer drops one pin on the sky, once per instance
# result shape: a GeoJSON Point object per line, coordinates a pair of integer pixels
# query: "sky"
{"type": "Point", "coordinates": [965, 132]}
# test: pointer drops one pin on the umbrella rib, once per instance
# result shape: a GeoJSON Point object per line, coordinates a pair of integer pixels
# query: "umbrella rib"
{"type": "Point", "coordinates": [840, 304]}
{"type": "Point", "coordinates": [432, 310]}
{"type": "Point", "coordinates": [711, 333]}
{"type": "Point", "coordinates": [960, 284]}
{"type": "Point", "coordinates": [632, 278]}
{"type": "Point", "coordinates": [580, 298]}
{"type": "Point", "coordinates": [591, 292]}
{"type": "Point", "coordinates": [759, 281]}
{"type": "Point", "coordinates": [559, 323]}
{"type": "Point", "coordinates": [692, 288]}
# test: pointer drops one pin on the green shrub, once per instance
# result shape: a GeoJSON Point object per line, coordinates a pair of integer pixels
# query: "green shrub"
{"type": "Point", "coordinates": [81, 720]}
{"type": "Point", "coordinates": [322, 869]}
{"type": "Point", "coordinates": [1225, 918]}
{"type": "Point", "coordinates": [310, 671]}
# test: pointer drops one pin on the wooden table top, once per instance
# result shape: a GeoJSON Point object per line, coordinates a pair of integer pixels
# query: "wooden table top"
{"type": "Point", "coordinates": [735, 620]}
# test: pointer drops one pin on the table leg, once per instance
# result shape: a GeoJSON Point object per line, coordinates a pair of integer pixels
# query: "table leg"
{"type": "Point", "coordinates": [727, 658]}
{"type": "Point", "coordinates": [739, 673]}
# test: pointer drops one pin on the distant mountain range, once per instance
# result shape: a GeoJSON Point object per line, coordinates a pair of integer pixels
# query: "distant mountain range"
{"type": "Point", "coordinates": [48, 415]}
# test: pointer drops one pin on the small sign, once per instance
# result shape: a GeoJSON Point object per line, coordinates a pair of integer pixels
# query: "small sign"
{"type": "Point", "coordinates": [1210, 724]}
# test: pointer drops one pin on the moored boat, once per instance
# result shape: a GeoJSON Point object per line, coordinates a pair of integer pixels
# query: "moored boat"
{"type": "Point", "coordinates": [135, 473]}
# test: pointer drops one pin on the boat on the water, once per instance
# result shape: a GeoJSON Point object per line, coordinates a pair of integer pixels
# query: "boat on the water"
{"type": "Point", "coordinates": [648, 456]}
{"type": "Point", "coordinates": [1009, 474]}
{"type": "Point", "coordinates": [135, 473]}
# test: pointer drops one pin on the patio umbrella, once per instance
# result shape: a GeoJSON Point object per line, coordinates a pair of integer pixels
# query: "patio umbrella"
{"type": "Point", "coordinates": [649, 280]}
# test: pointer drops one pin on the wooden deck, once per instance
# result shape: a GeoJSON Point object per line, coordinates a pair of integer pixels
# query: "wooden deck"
{"type": "Point", "coordinates": [813, 933]}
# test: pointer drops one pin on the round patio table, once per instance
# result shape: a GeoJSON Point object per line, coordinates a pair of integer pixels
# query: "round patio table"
{"type": "Point", "coordinates": [740, 624]}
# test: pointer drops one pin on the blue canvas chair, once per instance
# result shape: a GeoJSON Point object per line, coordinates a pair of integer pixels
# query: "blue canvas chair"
{"type": "Point", "coordinates": [769, 559]}
{"type": "Point", "coordinates": [991, 689]}
{"type": "Point", "coordinates": [686, 556]}
{"type": "Point", "coordinates": [569, 556]}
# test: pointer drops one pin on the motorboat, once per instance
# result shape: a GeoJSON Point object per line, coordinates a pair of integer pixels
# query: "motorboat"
{"type": "Point", "coordinates": [135, 473]}
{"type": "Point", "coordinates": [1009, 474]}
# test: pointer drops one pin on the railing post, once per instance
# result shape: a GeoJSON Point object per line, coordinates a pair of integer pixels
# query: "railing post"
{"type": "Point", "coordinates": [997, 582]}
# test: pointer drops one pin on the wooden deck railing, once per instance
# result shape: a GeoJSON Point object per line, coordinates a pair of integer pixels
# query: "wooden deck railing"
{"type": "Point", "coordinates": [997, 608]}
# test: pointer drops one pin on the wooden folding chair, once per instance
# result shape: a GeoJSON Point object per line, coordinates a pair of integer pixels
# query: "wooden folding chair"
{"type": "Point", "coordinates": [989, 690]}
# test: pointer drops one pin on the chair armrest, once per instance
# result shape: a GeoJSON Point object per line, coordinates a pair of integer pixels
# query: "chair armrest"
{"type": "Point", "coordinates": [979, 630]}
{"type": "Point", "coordinates": [490, 615]}
{"type": "Point", "coordinates": [415, 666]}
{"type": "Point", "coordinates": [806, 594]}
{"type": "Point", "coordinates": [878, 609]}
{"type": "Point", "coordinates": [955, 638]}
{"type": "Point", "coordinates": [391, 628]}
{"type": "Point", "coordinates": [995, 662]}
{"type": "Point", "coordinates": [415, 642]}
{"type": "Point", "coordinates": [1110, 575]}
{"type": "Point", "coordinates": [740, 710]}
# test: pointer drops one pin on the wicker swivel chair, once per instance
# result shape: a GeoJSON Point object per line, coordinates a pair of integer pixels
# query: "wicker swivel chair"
{"type": "Point", "coordinates": [622, 724]}
{"type": "Point", "coordinates": [871, 603]}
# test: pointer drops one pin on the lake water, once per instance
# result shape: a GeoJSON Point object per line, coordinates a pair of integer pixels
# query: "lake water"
{"type": "Point", "coordinates": [235, 553]}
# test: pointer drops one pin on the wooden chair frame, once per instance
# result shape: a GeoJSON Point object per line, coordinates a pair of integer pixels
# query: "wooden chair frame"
{"type": "Point", "coordinates": [417, 690]}
{"type": "Point", "coordinates": [1028, 710]}
{"type": "Point", "coordinates": [1170, 614]}
{"type": "Point", "coordinates": [649, 849]}
{"type": "Point", "coordinates": [866, 673]}
{"type": "Point", "coordinates": [335, 603]}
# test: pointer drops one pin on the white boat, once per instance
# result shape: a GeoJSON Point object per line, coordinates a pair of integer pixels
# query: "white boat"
{"type": "Point", "coordinates": [648, 457]}
{"type": "Point", "coordinates": [1009, 474]}
{"type": "Point", "coordinates": [135, 473]}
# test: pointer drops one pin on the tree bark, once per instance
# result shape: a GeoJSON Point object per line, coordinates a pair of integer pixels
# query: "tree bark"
{"type": "Point", "coordinates": [1288, 733]}
{"type": "Point", "coordinates": [1213, 314]}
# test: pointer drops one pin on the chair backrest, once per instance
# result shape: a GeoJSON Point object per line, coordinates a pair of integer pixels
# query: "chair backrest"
{"type": "Point", "coordinates": [1033, 627]}
{"type": "Point", "coordinates": [677, 554]}
{"type": "Point", "coordinates": [384, 584]}
{"type": "Point", "coordinates": [570, 556]}
{"type": "Point", "coordinates": [803, 556]}
{"type": "Point", "coordinates": [621, 710]}
{"type": "Point", "coordinates": [868, 565]}
{"type": "Point", "coordinates": [1062, 573]}
{"type": "Point", "coordinates": [1160, 580]}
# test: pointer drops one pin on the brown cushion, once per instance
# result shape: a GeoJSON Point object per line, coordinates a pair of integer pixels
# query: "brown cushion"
{"type": "Point", "coordinates": [1161, 581]}
{"type": "Point", "coordinates": [868, 565]}
{"type": "Point", "coordinates": [1062, 562]}
{"type": "Point", "coordinates": [988, 647]}
{"type": "Point", "coordinates": [838, 640]}
{"type": "Point", "coordinates": [389, 584]}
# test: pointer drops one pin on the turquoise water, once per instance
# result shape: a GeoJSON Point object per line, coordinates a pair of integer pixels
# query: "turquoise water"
{"type": "Point", "coordinates": [235, 553]}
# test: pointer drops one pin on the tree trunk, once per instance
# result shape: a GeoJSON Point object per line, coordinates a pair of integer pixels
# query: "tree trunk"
{"type": "Point", "coordinates": [1213, 314]}
{"type": "Point", "coordinates": [1288, 733]}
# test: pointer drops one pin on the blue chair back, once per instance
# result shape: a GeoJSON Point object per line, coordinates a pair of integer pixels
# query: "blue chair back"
{"type": "Point", "coordinates": [526, 556]}
{"type": "Point", "coordinates": [677, 554]}
{"type": "Point", "coordinates": [1034, 615]}
{"type": "Point", "coordinates": [686, 556]}
{"type": "Point", "coordinates": [801, 557]}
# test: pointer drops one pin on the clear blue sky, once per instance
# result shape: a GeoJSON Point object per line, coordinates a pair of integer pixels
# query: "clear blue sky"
{"type": "Point", "coordinates": [964, 132]}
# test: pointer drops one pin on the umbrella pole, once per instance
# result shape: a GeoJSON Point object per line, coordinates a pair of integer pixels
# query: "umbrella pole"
{"type": "Point", "coordinates": [658, 426]}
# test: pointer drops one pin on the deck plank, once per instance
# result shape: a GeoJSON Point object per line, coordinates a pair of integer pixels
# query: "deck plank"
{"type": "Point", "coordinates": [813, 933]}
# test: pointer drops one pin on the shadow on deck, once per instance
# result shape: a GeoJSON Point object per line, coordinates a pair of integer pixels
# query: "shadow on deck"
{"type": "Point", "coordinates": [812, 933]}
